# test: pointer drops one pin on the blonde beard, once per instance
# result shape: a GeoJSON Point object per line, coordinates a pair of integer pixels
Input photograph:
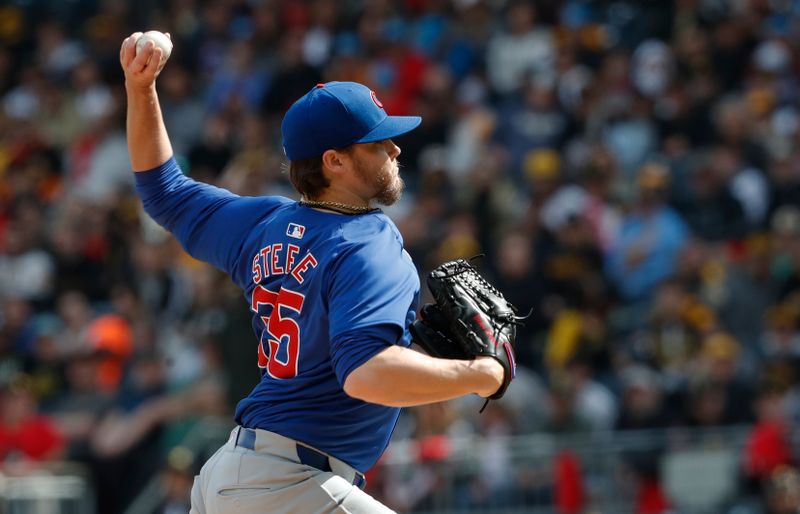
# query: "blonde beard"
{"type": "Point", "coordinates": [388, 187]}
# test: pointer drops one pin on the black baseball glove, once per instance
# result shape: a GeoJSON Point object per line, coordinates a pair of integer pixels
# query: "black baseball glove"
{"type": "Point", "coordinates": [470, 318]}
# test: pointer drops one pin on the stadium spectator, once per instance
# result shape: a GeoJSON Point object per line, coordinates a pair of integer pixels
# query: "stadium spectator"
{"type": "Point", "coordinates": [25, 433]}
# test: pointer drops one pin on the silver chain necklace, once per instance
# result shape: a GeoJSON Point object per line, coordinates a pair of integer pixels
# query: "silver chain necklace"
{"type": "Point", "coordinates": [338, 207]}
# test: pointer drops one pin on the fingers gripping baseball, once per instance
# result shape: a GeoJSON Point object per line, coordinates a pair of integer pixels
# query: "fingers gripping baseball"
{"type": "Point", "coordinates": [143, 66]}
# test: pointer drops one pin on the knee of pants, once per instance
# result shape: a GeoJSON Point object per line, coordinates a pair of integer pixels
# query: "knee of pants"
{"type": "Point", "coordinates": [350, 497]}
{"type": "Point", "coordinates": [198, 505]}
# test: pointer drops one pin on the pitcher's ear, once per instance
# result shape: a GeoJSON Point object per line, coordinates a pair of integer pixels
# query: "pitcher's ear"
{"type": "Point", "coordinates": [333, 161]}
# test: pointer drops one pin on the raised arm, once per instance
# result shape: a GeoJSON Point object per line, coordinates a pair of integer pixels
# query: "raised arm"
{"type": "Point", "coordinates": [148, 143]}
{"type": "Point", "coordinates": [211, 223]}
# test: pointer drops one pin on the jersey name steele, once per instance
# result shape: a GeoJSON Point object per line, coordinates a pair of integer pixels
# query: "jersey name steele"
{"type": "Point", "coordinates": [275, 260]}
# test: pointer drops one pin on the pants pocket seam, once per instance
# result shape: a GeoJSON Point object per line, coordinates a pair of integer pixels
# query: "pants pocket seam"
{"type": "Point", "coordinates": [241, 490]}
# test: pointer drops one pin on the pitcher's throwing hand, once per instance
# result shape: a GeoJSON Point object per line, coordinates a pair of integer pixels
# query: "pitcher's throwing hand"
{"type": "Point", "coordinates": [141, 68]}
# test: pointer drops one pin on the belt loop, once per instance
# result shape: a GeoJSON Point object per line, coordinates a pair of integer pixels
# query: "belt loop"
{"type": "Point", "coordinates": [311, 457]}
{"type": "Point", "coordinates": [359, 480]}
{"type": "Point", "coordinates": [246, 438]}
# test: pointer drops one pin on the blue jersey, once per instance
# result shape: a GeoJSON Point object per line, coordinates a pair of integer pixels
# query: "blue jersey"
{"type": "Point", "coordinates": [327, 292]}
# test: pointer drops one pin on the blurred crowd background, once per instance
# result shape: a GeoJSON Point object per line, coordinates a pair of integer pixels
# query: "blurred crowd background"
{"type": "Point", "coordinates": [629, 169]}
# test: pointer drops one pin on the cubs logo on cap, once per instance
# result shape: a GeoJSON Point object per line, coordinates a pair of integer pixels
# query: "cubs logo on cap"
{"type": "Point", "coordinates": [336, 115]}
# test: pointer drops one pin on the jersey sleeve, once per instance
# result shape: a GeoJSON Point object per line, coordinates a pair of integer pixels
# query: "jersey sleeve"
{"type": "Point", "coordinates": [210, 223]}
{"type": "Point", "coordinates": [353, 348]}
{"type": "Point", "coordinates": [372, 290]}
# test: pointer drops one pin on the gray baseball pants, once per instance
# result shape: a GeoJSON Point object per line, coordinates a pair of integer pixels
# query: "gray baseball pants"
{"type": "Point", "coordinates": [260, 472]}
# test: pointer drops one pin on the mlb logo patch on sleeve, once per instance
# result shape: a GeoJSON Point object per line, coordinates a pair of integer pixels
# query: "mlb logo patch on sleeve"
{"type": "Point", "coordinates": [296, 231]}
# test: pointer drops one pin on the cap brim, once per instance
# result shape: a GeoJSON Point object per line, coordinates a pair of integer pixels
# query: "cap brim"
{"type": "Point", "coordinates": [392, 126]}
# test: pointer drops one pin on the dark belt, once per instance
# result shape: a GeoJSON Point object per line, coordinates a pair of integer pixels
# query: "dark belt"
{"type": "Point", "coordinates": [246, 438]}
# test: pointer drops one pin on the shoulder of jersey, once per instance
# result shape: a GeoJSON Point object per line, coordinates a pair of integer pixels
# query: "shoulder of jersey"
{"type": "Point", "coordinates": [270, 205]}
{"type": "Point", "coordinates": [367, 228]}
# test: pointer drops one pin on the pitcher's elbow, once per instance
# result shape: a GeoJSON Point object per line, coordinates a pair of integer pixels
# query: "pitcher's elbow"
{"type": "Point", "coordinates": [358, 385]}
{"type": "Point", "coordinates": [363, 385]}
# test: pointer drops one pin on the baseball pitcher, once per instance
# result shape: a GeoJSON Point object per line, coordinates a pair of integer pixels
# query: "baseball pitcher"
{"type": "Point", "coordinates": [333, 297]}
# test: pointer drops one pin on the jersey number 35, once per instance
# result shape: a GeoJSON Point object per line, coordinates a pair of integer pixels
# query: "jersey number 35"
{"type": "Point", "coordinates": [280, 332]}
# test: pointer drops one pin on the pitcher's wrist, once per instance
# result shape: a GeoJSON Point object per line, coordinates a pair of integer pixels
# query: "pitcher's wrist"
{"type": "Point", "coordinates": [491, 375]}
{"type": "Point", "coordinates": [138, 89]}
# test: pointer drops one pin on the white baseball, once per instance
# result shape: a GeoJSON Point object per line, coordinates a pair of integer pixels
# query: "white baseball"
{"type": "Point", "coordinates": [159, 39]}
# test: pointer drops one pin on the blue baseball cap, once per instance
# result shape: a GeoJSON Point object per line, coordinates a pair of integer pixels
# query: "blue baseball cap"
{"type": "Point", "coordinates": [336, 115]}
